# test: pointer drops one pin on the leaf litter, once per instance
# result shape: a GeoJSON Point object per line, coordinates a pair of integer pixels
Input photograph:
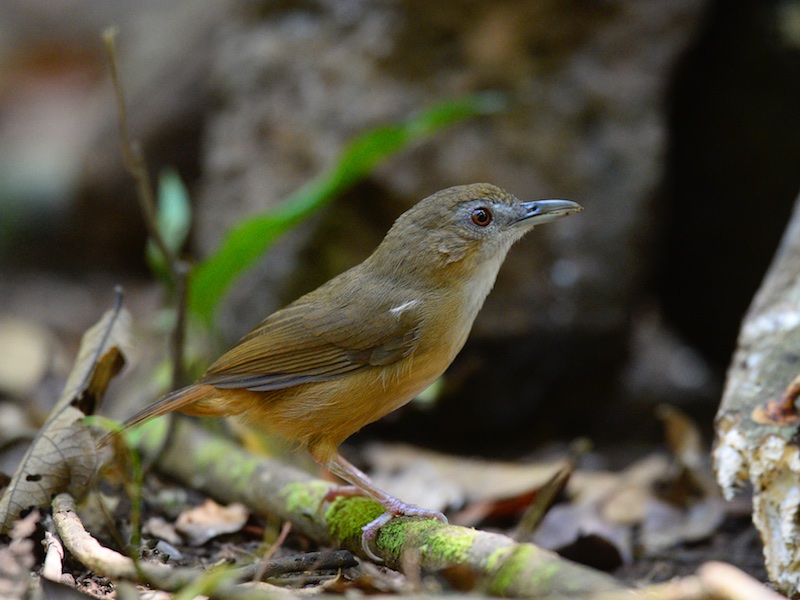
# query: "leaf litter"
{"type": "Point", "coordinates": [63, 456]}
{"type": "Point", "coordinates": [603, 518]}
{"type": "Point", "coordinates": [657, 502]}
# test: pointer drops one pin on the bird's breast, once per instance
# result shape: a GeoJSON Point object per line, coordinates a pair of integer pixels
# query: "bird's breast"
{"type": "Point", "coordinates": [325, 413]}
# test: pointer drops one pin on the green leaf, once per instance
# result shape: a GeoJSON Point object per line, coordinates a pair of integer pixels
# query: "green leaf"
{"type": "Point", "coordinates": [249, 240]}
{"type": "Point", "coordinates": [173, 218]}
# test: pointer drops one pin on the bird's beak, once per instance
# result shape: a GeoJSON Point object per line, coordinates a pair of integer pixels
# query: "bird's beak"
{"type": "Point", "coordinates": [544, 211]}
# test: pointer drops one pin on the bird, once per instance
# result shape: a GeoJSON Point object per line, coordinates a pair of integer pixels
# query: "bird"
{"type": "Point", "coordinates": [369, 340]}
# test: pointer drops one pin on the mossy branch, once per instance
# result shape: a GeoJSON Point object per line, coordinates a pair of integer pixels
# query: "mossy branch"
{"type": "Point", "coordinates": [229, 473]}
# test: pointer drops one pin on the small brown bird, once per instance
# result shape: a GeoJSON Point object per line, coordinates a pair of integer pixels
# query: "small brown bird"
{"type": "Point", "coordinates": [369, 340]}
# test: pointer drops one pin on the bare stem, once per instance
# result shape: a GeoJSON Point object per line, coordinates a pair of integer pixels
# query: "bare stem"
{"type": "Point", "coordinates": [134, 162]}
{"type": "Point", "coordinates": [180, 275]}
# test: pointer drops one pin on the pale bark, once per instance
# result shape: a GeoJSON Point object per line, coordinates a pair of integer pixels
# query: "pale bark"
{"type": "Point", "coordinates": [757, 421]}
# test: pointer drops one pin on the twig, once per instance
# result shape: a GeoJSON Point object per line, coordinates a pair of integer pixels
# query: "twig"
{"type": "Point", "coordinates": [180, 274]}
{"type": "Point", "coordinates": [285, 529]}
{"type": "Point", "coordinates": [88, 550]}
{"type": "Point", "coordinates": [333, 560]}
{"type": "Point", "coordinates": [726, 581]}
{"type": "Point", "coordinates": [108, 563]}
{"type": "Point", "coordinates": [54, 555]}
{"type": "Point", "coordinates": [133, 158]}
{"type": "Point", "coordinates": [135, 164]}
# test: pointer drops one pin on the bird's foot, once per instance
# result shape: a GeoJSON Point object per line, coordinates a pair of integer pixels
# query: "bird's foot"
{"type": "Point", "coordinates": [394, 508]}
{"type": "Point", "coordinates": [338, 491]}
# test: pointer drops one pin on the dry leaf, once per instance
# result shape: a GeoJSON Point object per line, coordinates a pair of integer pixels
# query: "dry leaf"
{"type": "Point", "coordinates": [686, 444]}
{"type": "Point", "coordinates": [63, 456]}
{"type": "Point", "coordinates": [627, 503]}
{"type": "Point", "coordinates": [581, 533]}
{"type": "Point", "coordinates": [207, 521]}
{"type": "Point", "coordinates": [596, 524]}
{"type": "Point", "coordinates": [667, 525]}
{"type": "Point", "coordinates": [162, 529]}
{"type": "Point", "coordinates": [436, 480]}
{"type": "Point", "coordinates": [689, 507]}
{"type": "Point", "coordinates": [543, 502]}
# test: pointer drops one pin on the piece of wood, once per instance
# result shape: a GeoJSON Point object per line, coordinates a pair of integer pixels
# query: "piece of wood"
{"type": "Point", "coordinates": [757, 421]}
{"type": "Point", "coordinates": [229, 473]}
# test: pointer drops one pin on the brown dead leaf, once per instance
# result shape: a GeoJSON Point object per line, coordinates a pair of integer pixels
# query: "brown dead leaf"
{"type": "Point", "coordinates": [627, 503]}
{"type": "Point", "coordinates": [690, 452]}
{"type": "Point", "coordinates": [438, 481]}
{"type": "Point", "coordinates": [207, 521]}
{"type": "Point", "coordinates": [506, 508]}
{"type": "Point", "coordinates": [683, 437]}
{"type": "Point", "coordinates": [162, 529]}
{"type": "Point", "coordinates": [686, 506]}
{"type": "Point", "coordinates": [597, 523]}
{"type": "Point", "coordinates": [543, 502]}
{"type": "Point", "coordinates": [580, 532]}
{"type": "Point", "coordinates": [667, 525]}
{"type": "Point", "coordinates": [62, 456]}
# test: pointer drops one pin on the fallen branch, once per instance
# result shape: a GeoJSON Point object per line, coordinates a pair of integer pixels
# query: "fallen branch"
{"type": "Point", "coordinates": [108, 563]}
{"type": "Point", "coordinates": [757, 422]}
{"type": "Point", "coordinates": [713, 581]}
{"type": "Point", "coordinates": [53, 557]}
{"type": "Point", "coordinates": [222, 469]}
{"type": "Point", "coordinates": [88, 550]}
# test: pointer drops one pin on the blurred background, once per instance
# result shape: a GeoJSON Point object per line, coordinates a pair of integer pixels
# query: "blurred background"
{"type": "Point", "coordinates": [675, 124]}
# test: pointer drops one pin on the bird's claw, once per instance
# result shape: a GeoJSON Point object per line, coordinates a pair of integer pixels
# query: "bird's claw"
{"type": "Point", "coordinates": [336, 492]}
{"type": "Point", "coordinates": [395, 508]}
{"type": "Point", "coordinates": [370, 532]}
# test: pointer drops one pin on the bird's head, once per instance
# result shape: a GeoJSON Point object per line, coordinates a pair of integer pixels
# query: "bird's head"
{"type": "Point", "coordinates": [465, 226]}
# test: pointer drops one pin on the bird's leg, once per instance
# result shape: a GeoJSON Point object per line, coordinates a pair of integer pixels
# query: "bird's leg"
{"type": "Point", "coordinates": [362, 485]}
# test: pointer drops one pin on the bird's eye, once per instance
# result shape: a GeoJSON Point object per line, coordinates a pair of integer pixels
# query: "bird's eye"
{"type": "Point", "coordinates": [481, 216]}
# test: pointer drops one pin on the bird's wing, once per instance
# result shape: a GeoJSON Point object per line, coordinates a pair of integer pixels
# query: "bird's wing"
{"type": "Point", "coordinates": [313, 341]}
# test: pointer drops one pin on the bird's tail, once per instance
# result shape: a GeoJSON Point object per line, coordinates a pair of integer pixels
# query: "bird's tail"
{"type": "Point", "coordinates": [178, 400]}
